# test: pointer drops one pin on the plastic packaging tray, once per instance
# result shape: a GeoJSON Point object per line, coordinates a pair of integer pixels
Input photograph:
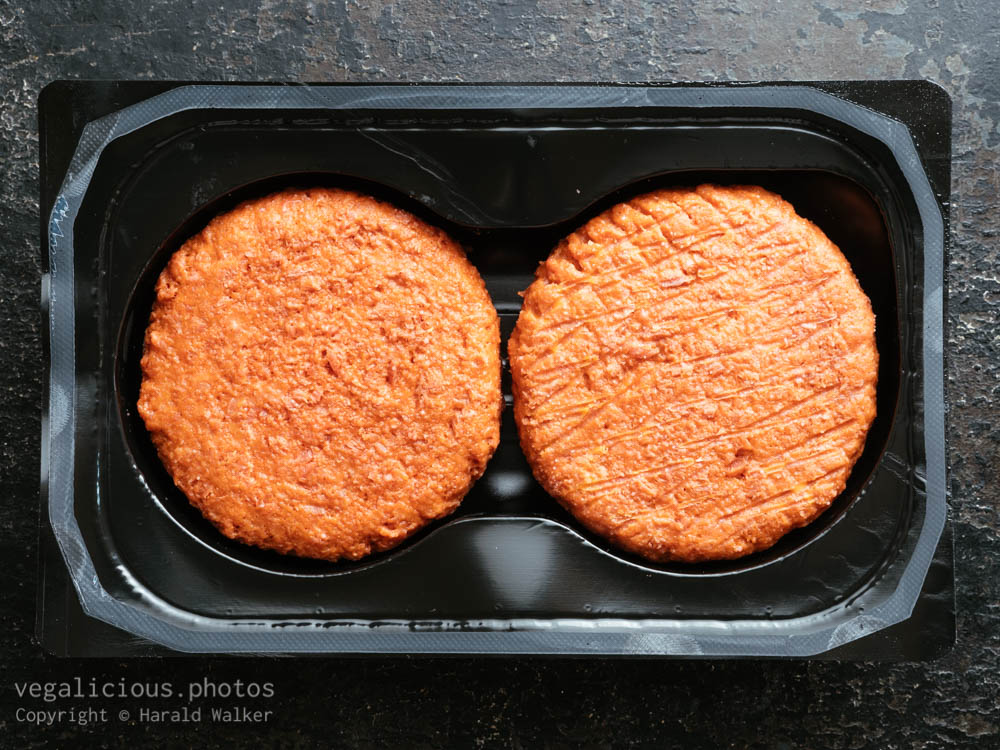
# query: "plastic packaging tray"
{"type": "Point", "coordinates": [507, 170]}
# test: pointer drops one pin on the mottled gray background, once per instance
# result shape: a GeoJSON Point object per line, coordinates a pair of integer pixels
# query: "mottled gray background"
{"type": "Point", "coordinates": [953, 702]}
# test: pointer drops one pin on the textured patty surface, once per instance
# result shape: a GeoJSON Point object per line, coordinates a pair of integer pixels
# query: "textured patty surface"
{"type": "Point", "coordinates": [694, 372]}
{"type": "Point", "coordinates": [321, 373]}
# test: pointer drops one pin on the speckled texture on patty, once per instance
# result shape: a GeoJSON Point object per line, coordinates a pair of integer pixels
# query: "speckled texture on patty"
{"type": "Point", "coordinates": [694, 372]}
{"type": "Point", "coordinates": [321, 373]}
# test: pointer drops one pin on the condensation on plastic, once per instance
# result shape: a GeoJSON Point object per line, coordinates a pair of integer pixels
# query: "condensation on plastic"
{"type": "Point", "coordinates": [157, 620]}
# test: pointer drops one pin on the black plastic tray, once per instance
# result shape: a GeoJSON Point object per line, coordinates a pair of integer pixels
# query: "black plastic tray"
{"type": "Point", "coordinates": [508, 183]}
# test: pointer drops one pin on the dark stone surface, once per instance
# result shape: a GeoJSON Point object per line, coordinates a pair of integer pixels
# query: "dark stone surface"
{"type": "Point", "coordinates": [949, 703]}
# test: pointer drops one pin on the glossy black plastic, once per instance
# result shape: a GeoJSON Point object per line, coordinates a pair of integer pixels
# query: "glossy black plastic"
{"type": "Point", "coordinates": [507, 185]}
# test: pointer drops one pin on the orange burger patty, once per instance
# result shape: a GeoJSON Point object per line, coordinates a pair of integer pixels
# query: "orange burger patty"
{"type": "Point", "coordinates": [694, 373]}
{"type": "Point", "coordinates": [321, 373]}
